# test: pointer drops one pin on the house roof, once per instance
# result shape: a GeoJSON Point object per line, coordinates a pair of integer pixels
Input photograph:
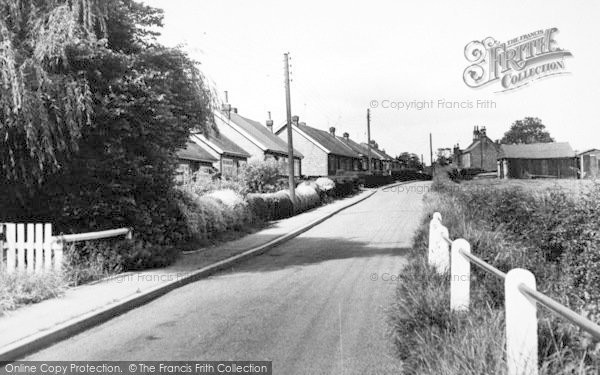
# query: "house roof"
{"type": "Point", "coordinates": [223, 145]}
{"type": "Point", "coordinates": [196, 153]}
{"type": "Point", "coordinates": [475, 144]}
{"type": "Point", "coordinates": [354, 146]}
{"type": "Point", "coordinates": [537, 151]}
{"type": "Point", "coordinates": [588, 150]}
{"type": "Point", "coordinates": [265, 137]}
{"type": "Point", "coordinates": [327, 141]}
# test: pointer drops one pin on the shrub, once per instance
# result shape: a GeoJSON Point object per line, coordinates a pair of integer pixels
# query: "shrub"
{"type": "Point", "coordinates": [208, 216]}
{"type": "Point", "coordinates": [261, 176]}
{"type": "Point", "coordinates": [307, 197]}
{"type": "Point", "coordinates": [202, 183]}
{"type": "Point", "coordinates": [325, 184]}
{"type": "Point", "coordinates": [93, 260]}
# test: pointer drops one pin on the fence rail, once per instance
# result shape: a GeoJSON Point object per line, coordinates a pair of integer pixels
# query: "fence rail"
{"type": "Point", "coordinates": [521, 297]}
{"type": "Point", "coordinates": [33, 248]}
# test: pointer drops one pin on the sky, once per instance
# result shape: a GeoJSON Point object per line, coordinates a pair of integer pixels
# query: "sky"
{"type": "Point", "coordinates": [347, 56]}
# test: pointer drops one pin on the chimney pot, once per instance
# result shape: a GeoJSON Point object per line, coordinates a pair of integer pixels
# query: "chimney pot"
{"type": "Point", "coordinates": [270, 125]}
{"type": "Point", "coordinates": [295, 120]}
{"type": "Point", "coordinates": [332, 131]}
{"type": "Point", "coordinates": [234, 110]}
{"type": "Point", "coordinates": [346, 136]}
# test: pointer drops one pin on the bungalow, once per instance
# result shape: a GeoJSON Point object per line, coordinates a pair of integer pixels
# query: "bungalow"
{"type": "Point", "coordinates": [482, 152]}
{"type": "Point", "coordinates": [589, 163]}
{"type": "Point", "coordinates": [555, 159]}
{"type": "Point", "coordinates": [193, 158]}
{"type": "Point", "coordinates": [257, 139]}
{"type": "Point", "coordinates": [361, 150]}
{"type": "Point", "coordinates": [324, 153]}
{"type": "Point", "coordinates": [229, 157]}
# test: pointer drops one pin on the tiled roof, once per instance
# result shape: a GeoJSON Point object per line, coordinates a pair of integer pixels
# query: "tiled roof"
{"type": "Point", "coordinates": [271, 141]}
{"type": "Point", "coordinates": [476, 143]}
{"type": "Point", "coordinates": [356, 147]}
{"type": "Point", "coordinates": [194, 152]}
{"type": "Point", "coordinates": [225, 144]}
{"type": "Point", "coordinates": [537, 151]}
{"type": "Point", "coordinates": [326, 140]}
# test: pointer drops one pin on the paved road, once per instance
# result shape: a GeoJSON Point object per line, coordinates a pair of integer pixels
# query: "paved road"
{"type": "Point", "coordinates": [311, 305]}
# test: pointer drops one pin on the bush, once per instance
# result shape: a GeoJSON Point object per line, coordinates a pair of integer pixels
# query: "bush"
{"type": "Point", "coordinates": [325, 184]}
{"type": "Point", "coordinates": [202, 183]}
{"type": "Point", "coordinates": [207, 216]}
{"type": "Point", "coordinates": [307, 197]}
{"type": "Point", "coordinates": [93, 260]}
{"type": "Point", "coordinates": [409, 174]}
{"type": "Point", "coordinates": [261, 176]}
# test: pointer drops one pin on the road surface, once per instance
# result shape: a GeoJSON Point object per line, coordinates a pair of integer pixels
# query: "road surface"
{"type": "Point", "coordinates": [314, 305]}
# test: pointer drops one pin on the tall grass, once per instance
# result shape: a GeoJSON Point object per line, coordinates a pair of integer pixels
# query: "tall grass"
{"type": "Point", "coordinates": [20, 288]}
{"type": "Point", "coordinates": [545, 231]}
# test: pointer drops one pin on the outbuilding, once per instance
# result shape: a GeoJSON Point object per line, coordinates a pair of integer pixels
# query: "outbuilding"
{"type": "Point", "coordinates": [537, 160]}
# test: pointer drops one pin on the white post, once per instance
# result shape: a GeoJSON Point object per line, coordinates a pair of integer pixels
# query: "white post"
{"type": "Point", "coordinates": [30, 247]}
{"type": "Point", "coordinates": [11, 255]}
{"type": "Point", "coordinates": [521, 324]}
{"type": "Point", "coordinates": [21, 247]}
{"type": "Point", "coordinates": [460, 276]}
{"type": "Point", "coordinates": [439, 254]}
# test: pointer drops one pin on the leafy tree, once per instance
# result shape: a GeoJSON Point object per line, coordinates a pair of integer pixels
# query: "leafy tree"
{"type": "Point", "coordinates": [410, 160]}
{"type": "Point", "coordinates": [93, 113]}
{"type": "Point", "coordinates": [443, 156]}
{"type": "Point", "coordinates": [528, 130]}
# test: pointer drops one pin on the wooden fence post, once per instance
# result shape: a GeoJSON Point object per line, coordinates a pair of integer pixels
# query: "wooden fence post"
{"type": "Point", "coordinates": [439, 255]}
{"type": "Point", "coordinates": [460, 276]}
{"type": "Point", "coordinates": [521, 324]}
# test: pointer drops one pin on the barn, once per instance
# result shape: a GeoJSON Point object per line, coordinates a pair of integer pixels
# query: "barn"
{"type": "Point", "coordinates": [537, 160]}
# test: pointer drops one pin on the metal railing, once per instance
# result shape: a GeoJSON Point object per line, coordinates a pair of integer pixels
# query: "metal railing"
{"type": "Point", "coordinates": [65, 238]}
{"type": "Point", "coordinates": [521, 297]}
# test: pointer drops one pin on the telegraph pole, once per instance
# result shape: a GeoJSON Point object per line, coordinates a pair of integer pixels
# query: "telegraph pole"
{"type": "Point", "coordinates": [430, 150]}
{"type": "Point", "coordinates": [288, 105]}
{"type": "Point", "coordinates": [369, 136]}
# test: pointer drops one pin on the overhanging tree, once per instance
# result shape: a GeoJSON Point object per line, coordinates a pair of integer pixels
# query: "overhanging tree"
{"type": "Point", "coordinates": [92, 111]}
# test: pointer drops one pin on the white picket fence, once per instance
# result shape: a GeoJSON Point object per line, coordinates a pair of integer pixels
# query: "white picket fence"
{"type": "Point", "coordinates": [521, 297]}
{"type": "Point", "coordinates": [33, 248]}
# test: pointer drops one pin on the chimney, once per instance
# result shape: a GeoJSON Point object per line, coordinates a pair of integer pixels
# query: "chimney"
{"type": "Point", "coordinates": [234, 110]}
{"type": "Point", "coordinates": [302, 123]}
{"type": "Point", "coordinates": [295, 120]}
{"type": "Point", "coordinates": [226, 106]}
{"type": "Point", "coordinates": [475, 133]}
{"type": "Point", "coordinates": [270, 123]}
{"type": "Point", "coordinates": [346, 136]}
{"type": "Point", "coordinates": [482, 132]}
{"type": "Point", "coordinates": [332, 131]}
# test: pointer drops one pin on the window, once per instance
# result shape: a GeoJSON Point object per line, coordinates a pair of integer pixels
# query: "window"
{"type": "Point", "coordinates": [296, 167]}
{"type": "Point", "coordinates": [229, 167]}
